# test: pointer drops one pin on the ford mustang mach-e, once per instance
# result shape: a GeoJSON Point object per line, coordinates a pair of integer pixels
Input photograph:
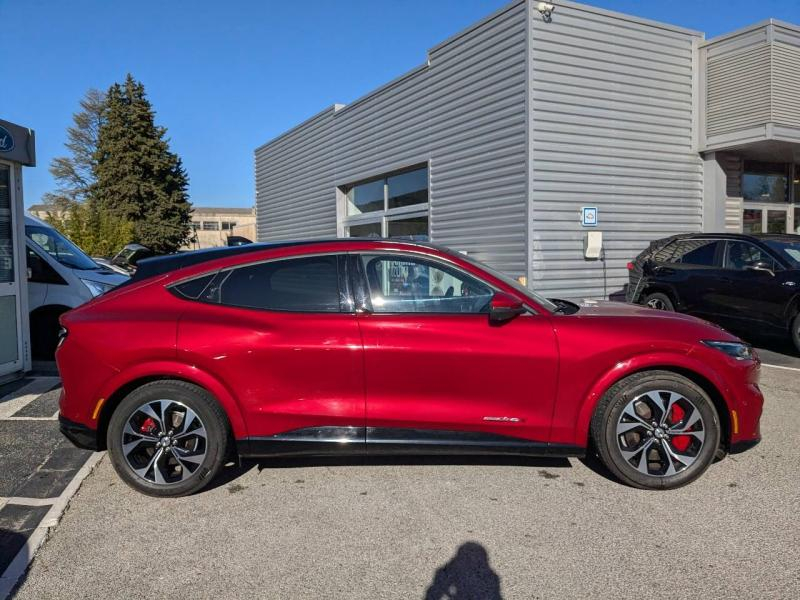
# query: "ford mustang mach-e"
{"type": "Point", "coordinates": [377, 346]}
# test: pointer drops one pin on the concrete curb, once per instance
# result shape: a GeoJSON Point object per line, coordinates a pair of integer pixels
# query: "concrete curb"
{"type": "Point", "coordinates": [25, 556]}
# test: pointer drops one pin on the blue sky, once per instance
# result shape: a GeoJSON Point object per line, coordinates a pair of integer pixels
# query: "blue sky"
{"type": "Point", "coordinates": [224, 77]}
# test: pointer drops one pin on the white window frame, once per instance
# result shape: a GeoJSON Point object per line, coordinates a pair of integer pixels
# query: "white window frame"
{"type": "Point", "coordinates": [345, 221]}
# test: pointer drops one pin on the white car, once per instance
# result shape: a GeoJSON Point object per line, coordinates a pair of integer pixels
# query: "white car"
{"type": "Point", "coordinates": [60, 277]}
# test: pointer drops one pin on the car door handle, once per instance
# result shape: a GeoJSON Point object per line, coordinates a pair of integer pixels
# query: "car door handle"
{"type": "Point", "coordinates": [789, 283]}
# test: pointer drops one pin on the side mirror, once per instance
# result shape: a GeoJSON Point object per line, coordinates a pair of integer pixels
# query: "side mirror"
{"type": "Point", "coordinates": [504, 307]}
{"type": "Point", "coordinates": [761, 266]}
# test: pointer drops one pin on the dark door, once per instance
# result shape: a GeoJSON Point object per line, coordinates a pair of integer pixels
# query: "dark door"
{"type": "Point", "coordinates": [755, 292]}
{"type": "Point", "coordinates": [437, 372]}
{"type": "Point", "coordinates": [693, 271]}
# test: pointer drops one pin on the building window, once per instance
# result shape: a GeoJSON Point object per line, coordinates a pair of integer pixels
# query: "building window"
{"type": "Point", "coordinates": [392, 205]}
{"type": "Point", "coordinates": [195, 225]}
{"type": "Point", "coordinates": [228, 225]}
{"type": "Point", "coordinates": [210, 226]}
{"type": "Point", "coordinates": [765, 182]}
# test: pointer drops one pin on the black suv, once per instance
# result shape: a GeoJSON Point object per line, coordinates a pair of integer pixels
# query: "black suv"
{"type": "Point", "coordinates": [747, 283]}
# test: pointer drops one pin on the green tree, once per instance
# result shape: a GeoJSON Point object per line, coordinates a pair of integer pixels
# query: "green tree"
{"type": "Point", "coordinates": [74, 174]}
{"type": "Point", "coordinates": [138, 178]}
{"type": "Point", "coordinates": [71, 207]}
{"type": "Point", "coordinates": [96, 232]}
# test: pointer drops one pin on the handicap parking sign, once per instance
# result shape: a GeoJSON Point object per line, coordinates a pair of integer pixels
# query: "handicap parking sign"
{"type": "Point", "coordinates": [589, 216]}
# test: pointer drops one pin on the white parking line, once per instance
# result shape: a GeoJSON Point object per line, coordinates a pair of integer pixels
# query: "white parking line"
{"type": "Point", "coordinates": [23, 558]}
{"type": "Point", "coordinates": [30, 419]}
{"type": "Point", "coordinates": [780, 367]}
{"type": "Point", "coordinates": [15, 401]}
{"type": "Point", "coordinates": [27, 501]}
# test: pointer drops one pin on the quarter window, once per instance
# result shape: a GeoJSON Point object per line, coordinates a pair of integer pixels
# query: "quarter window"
{"type": "Point", "coordinates": [401, 284]}
{"type": "Point", "coordinates": [298, 285]}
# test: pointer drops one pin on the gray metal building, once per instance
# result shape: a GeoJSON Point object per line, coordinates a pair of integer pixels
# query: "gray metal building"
{"type": "Point", "coordinates": [497, 142]}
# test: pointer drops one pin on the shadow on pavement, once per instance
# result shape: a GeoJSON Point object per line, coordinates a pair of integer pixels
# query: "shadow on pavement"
{"type": "Point", "coordinates": [466, 576]}
{"type": "Point", "coordinates": [233, 470]}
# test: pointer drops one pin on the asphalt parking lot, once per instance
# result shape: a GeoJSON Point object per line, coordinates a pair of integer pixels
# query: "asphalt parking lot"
{"type": "Point", "coordinates": [433, 528]}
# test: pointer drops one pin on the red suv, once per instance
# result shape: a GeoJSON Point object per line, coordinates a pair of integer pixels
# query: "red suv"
{"type": "Point", "coordinates": [374, 346]}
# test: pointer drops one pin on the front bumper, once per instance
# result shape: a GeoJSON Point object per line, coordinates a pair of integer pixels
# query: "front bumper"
{"type": "Point", "coordinates": [82, 436]}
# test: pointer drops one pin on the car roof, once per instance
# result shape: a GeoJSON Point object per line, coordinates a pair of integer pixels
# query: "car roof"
{"type": "Point", "coordinates": [787, 237]}
{"type": "Point", "coordinates": [159, 265]}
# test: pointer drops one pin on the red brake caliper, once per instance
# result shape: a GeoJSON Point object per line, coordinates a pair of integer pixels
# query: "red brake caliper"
{"type": "Point", "coordinates": [148, 426]}
{"type": "Point", "coordinates": [680, 442]}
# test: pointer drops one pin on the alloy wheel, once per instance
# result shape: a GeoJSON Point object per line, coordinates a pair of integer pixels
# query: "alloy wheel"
{"type": "Point", "coordinates": [164, 442]}
{"type": "Point", "coordinates": [657, 303]}
{"type": "Point", "coordinates": [660, 433]}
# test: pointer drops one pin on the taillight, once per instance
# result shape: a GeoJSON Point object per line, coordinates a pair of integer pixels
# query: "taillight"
{"type": "Point", "coordinates": [630, 266]}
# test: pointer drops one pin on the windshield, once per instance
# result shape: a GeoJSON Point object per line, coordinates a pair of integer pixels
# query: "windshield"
{"type": "Point", "coordinates": [540, 300]}
{"type": "Point", "coordinates": [60, 248]}
{"type": "Point", "coordinates": [788, 250]}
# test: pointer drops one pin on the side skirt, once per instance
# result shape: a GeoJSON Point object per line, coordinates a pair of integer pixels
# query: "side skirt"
{"type": "Point", "coordinates": [347, 441]}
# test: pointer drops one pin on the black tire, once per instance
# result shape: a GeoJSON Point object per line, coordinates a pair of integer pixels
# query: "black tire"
{"type": "Point", "coordinates": [608, 418]}
{"type": "Point", "coordinates": [211, 421]}
{"type": "Point", "coordinates": [796, 332]}
{"type": "Point", "coordinates": [659, 301]}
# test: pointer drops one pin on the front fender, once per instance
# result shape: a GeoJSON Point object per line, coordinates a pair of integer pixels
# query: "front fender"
{"type": "Point", "coordinates": [634, 364]}
{"type": "Point", "coordinates": [178, 370]}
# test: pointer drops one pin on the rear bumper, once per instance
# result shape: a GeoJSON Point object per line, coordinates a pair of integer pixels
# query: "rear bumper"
{"type": "Point", "coordinates": [77, 433]}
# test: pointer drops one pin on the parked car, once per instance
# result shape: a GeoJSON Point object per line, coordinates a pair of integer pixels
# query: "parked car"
{"type": "Point", "coordinates": [104, 262]}
{"type": "Point", "coordinates": [60, 277]}
{"type": "Point", "coordinates": [747, 283]}
{"type": "Point", "coordinates": [130, 255]}
{"type": "Point", "coordinates": [237, 240]}
{"type": "Point", "coordinates": [360, 346]}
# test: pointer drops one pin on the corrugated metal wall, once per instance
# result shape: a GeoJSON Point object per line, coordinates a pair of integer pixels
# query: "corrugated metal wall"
{"type": "Point", "coordinates": [295, 196]}
{"type": "Point", "coordinates": [738, 90]}
{"type": "Point", "coordinates": [786, 82]}
{"type": "Point", "coordinates": [752, 86]}
{"type": "Point", "coordinates": [612, 127]}
{"type": "Point", "coordinates": [464, 112]}
{"type": "Point", "coordinates": [479, 143]}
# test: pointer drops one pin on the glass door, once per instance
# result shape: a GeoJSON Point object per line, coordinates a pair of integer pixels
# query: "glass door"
{"type": "Point", "coordinates": [770, 218]}
{"type": "Point", "coordinates": [10, 334]}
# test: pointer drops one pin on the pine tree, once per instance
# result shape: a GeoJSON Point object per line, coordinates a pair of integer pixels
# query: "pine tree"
{"type": "Point", "coordinates": [138, 178]}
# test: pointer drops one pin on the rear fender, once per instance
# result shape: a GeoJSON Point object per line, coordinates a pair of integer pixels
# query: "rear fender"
{"type": "Point", "coordinates": [191, 374]}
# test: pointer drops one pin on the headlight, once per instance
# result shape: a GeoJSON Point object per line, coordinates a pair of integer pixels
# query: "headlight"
{"type": "Point", "coordinates": [738, 350]}
{"type": "Point", "coordinates": [95, 287]}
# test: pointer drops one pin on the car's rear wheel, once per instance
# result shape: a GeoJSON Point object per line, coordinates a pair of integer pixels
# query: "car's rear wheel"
{"type": "Point", "coordinates": [656, 430]}
{"type": "Point", "coordinates": [168, 438]}
{"type": "Point", "coordinates": [659, 301]}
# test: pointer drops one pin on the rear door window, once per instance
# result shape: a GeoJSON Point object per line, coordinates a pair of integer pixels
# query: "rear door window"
{"type": "Point", "coordinates": [308, 284]}
{"type": "Point", "coordinates": [698, 253]}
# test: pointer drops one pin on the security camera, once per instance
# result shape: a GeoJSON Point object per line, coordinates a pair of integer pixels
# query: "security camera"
{"type": "Point", "coordinates": [547, 10]}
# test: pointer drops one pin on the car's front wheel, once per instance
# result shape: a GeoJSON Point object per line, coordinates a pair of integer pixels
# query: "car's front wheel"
{"type": "Point", "coordinates": [168, 438]}
{"type": "Point", "coordinates": [656, 430]}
